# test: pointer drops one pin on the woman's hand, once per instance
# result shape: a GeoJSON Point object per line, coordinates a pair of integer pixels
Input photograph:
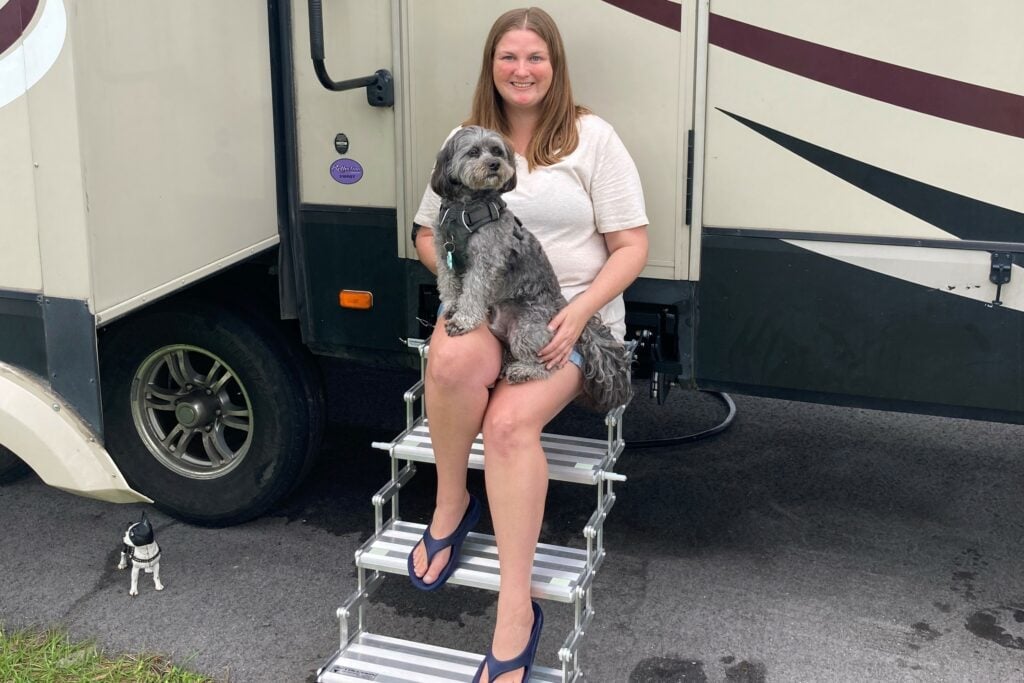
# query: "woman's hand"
{"type": "Point", "coordinates": [627, 254]}
{"type": "Point", "coordinates": [567, 327]}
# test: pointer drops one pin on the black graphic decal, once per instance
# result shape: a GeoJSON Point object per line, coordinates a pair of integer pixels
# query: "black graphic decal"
{"type": "Point", "coordinates": [957, 214]}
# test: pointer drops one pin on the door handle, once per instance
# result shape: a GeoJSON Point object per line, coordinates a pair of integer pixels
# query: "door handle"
{"type": "Point", "coordinates": [380, 88]}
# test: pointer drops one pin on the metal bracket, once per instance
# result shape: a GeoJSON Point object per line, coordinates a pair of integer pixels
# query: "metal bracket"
{"type": "Point", "coordinates": [999, 275]}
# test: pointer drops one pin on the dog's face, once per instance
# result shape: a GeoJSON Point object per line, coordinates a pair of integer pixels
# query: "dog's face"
{"type": "Point", "coordinates": [139, 533]}
{"type": "Point", "coordinates": [473, 160]}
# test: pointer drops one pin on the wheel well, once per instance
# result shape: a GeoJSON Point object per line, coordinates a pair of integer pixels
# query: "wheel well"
{"type": "Point", "coordinates": [251, 285]}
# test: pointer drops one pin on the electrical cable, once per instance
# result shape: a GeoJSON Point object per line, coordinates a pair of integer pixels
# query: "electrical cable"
{"type": "Point", "coordinates": [690, 438]}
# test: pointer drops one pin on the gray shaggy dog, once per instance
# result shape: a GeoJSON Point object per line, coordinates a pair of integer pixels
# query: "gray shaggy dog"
{"type": "Point", "coordinates": [492, 269]}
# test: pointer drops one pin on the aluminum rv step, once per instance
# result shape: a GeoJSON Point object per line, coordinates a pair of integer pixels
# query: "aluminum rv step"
{"type": "Point", "coordinates": [560, 573]}
{"type": "Point", "coordinates": [381, 659]}
{"type": "Point", "coordinates": [557, 571]}
{"type": "Point", "coordinates": [570, 458]}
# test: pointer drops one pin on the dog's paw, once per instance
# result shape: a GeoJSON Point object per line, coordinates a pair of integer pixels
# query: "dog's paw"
{"type": "Point", "coordinates": [159, 586]}
{"type": "Point", "coordinates": [463, 322]}
{"type": "Point", "coordinates": [454, 330]}
{"type": "Point", "coordinates": [122, 565]}
{"type": "Point", "coordinates": [458, 326]}
{"type": "Point", "coordinates": [133, 593]}
{"type": "Point", "coordinates": [518, 372]}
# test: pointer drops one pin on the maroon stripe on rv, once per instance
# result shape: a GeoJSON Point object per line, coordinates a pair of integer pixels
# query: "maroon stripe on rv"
{"type": "Point", "coordinates": [966, 103]}
{"type": "Point", "coordinates": [664, 12]}
{"type": "Point", "coordinates": [15, 17]}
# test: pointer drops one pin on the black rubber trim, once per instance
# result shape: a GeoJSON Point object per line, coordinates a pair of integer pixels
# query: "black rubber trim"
{"type": "Point", "coordinates": [282, 87]}
{"type": "Point", "coordinates": [966, 245]}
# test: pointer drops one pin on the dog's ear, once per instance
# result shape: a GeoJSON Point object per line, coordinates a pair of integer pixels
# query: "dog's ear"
{"type": "Point", "coordinates": [441, 180]}
{"type": "Point", "coordinates": [510, 154]}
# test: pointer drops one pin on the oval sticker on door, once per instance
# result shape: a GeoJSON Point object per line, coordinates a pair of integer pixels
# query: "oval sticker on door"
{"type": "Point", "coordinates": [347, 171]}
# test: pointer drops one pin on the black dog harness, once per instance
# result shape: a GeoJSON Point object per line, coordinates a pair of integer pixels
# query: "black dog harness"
{"type": "Point", "coordinates": [459, 221]}
{"type": "Point", "coordinates": [129, 551]}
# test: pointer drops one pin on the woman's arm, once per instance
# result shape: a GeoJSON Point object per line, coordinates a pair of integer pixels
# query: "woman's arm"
{"type": "Point", "coordinates": [627, 256]}
{"type": "Point", "coordinates": [425, 248]}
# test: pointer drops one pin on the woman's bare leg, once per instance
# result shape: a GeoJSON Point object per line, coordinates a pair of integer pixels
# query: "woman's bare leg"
{"type": "Point", "coordinates": [459, 372]}
{"type": "Point", "coordinates": [517, 481]}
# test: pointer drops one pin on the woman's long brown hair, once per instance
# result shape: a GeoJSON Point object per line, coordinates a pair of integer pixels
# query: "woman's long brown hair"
{"type": "Point", "coordinates": [556, 135]}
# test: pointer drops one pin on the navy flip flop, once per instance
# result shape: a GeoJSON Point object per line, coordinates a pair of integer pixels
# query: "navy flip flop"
{"type": "Point", "coordinates": [497, 667]}
{"type": "Point", "coordinates": [435, 545]}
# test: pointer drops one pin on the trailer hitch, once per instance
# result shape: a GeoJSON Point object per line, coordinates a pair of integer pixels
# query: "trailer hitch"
{"type": "Point", "coordinates": [380, 87]}
{"type": "Point", "coordinates": [663, 372]}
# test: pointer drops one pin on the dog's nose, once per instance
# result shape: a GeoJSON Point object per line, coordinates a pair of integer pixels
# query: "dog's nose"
{"type": "Point", "coordinates": [494, 165]}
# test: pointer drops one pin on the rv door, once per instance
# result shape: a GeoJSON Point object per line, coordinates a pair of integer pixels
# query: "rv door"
{"type": "Point", "coordinates": [342, 176]}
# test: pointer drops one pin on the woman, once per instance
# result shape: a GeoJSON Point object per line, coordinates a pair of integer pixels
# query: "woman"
{"type": "Point", "coordinates": [578, 191]}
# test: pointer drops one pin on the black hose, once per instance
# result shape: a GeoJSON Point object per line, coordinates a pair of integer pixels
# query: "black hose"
{"type": "Point", "coordinates": [690, 438]}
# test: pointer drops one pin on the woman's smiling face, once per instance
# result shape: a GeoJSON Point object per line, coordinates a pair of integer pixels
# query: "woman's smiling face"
{"type": "Point", "coordinates": [522, 69]}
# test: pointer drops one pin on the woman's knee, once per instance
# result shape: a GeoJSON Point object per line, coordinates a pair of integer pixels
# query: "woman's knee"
{"type": "Point", "coordinates": [508, 431]}
{"type": "Point", "coordinates": [453, 365]}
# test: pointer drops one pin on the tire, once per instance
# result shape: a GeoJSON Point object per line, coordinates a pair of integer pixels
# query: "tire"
{"type": "Point", "coordinates": [211, 411]}
{"type": "Point", "coordinates": [11, 467]}
{"type": "Point", "coordinates": [311, 381]}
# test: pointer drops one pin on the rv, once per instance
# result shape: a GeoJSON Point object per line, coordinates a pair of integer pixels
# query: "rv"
{"type": "Point", "coordinates": [198, 198]}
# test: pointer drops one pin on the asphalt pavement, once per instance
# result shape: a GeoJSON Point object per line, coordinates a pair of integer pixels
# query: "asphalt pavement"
{"type": "Point", "coordinates": [806, 543]}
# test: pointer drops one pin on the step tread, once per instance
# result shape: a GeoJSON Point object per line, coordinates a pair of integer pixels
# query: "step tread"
{"type": "Point", "coordinates": [382, 659]}
{"type": "Point", "coordinates": [557, 570]}
{"type": "Point", "coordinates": [570, 458]}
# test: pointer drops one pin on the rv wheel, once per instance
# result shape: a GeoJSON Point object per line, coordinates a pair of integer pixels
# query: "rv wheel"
{"type": "Point", "coordinates": [210, 411]}
{"type": "Point", "coordinates": [11, 466]}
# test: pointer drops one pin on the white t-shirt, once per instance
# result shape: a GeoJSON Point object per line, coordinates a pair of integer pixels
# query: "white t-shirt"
{"type": "Point", "coordinates": [568, 206]}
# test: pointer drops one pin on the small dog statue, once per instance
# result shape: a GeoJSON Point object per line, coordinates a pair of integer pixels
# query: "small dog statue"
{"type": "Point", "coordinates": [141, 549]}
{"type": "Point", "coordinates": [493, 270]}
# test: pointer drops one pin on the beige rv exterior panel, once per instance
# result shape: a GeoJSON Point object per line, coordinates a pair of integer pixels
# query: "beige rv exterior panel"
{"type": "Point", "coordinates": [22, 66]}
{"type": "Point", "coordinates": [174, 106]}
{"type": "Point", "coordinates": [57, 167]}
{"type": "Point", "coordinates": [751, 182]}
{"type": "Point", "coordinates": [19, 236]}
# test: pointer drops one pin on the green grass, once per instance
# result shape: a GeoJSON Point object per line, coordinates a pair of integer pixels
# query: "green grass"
{"type": "Point", "coordinates": [33, 656]}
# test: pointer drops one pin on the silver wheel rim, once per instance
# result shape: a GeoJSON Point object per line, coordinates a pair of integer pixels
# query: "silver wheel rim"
{"type": "Point", "coordinates": [192, 411]}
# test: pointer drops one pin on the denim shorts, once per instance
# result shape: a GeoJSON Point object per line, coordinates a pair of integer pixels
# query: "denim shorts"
{"type": "Point", "coordinates": [576, 358]}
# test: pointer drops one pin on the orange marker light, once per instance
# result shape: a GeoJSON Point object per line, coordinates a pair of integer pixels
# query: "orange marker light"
{"type": "Point", "coordinates": [351, 298]}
